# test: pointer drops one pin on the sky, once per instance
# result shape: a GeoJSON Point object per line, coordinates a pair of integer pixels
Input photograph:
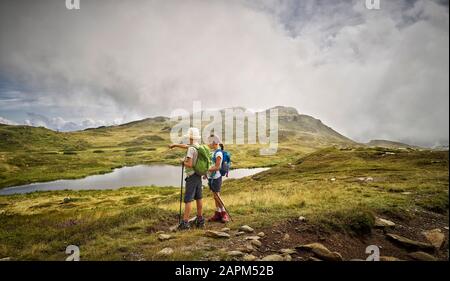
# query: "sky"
{"type": "Point", "coordinates": [367, 73]}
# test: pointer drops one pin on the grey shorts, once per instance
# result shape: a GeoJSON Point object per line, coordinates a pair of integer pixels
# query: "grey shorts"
{"type": "Point", "coordinates": [215, 184]}
{"type": "Point", "coordinates": [193, 189]}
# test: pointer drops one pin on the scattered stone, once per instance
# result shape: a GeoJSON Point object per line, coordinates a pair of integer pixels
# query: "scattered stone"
{"type": "Point", "coordinates": [302, 219]}
{"type": "Point", "coordinates": [261, 234]}
{"type": "Point", "coordinates": [159, 232]}
{"type": "Point", "coordinates": [246, 228]}
{"type": "Point", "coordinates": [225, 229]}
{"type": "Point", "coordinates": [249, 248]}
{"type": "Point", "coordinates": [313, 259]}
{"type": "Point", "coordinates": [217, 234]}
{"type": "Point", "coordinates": [388, 258]}
{"type": "Point", "coordinates": [287, 258]}
{"type": "Point", "coordinates": [333, 179]}
{"type": "Point", "coordinates": [389, 153]}
{"type": "Point", "coordinates": [249, 258]}
{"type": "Point", "coordinates": [166, 252]}
{"type": "Point", "coordinates": [235, 253]}
{"type": "Point", "coordinates": [435, 237]}
{"type": "Point", "coordinates": [288, 251]}
{"type": "Point", "coordinates": [422, 256]}
{"type": "Point", "coordinates": [446, 228]}
{"type": "Point", "coordinates": [164, 237]}
{"type": "Point", "coordinates": [321, 252]}
{"type": "Point", "coordinates": [5, 259]}
{"type": "Point", "coordinates": [173, 228]}
{"type": "Point", "coordinates": [239, 233]}
{"type": "Point", "coordinates": [286, 237]}
{"type": "Point", "coordinates": [383, 223]}
{"type": "Point", "coordinates": [408, 243]}
{"type": "Point", "coordinates": [273, 258]}
{"type": "Point", "coordinates": [256, 243]}
{"type": "Point", "coordinates": [252, 238]}
{"type": "Point", "coordinates": [369, 179]}
{"type": "Point", "coordinates": [406, 193]}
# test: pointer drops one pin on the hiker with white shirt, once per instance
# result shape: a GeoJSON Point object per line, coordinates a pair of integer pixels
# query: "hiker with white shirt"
{"type": "Point", "coordinates": [215, 179]}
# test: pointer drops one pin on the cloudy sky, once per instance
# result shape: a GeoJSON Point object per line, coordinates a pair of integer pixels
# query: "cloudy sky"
{"type": "Point", "coordinates": [369, 74]}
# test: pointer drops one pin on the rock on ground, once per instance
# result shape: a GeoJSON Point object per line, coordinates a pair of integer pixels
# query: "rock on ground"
{"type": "Point", "coordinates": [408, 243]}
{"type": "Point", "coordinates": [166, 252]}
{"type": "Point", "coordinates": [288, 251]}
{"type": "Point", "coordinates": [388, 258]}
{"type": "Point", "coordinates": [217, 234]}
{"type": "Point", "coordinates": [235, 253]}
{"type": "Point", "coordinates": [256, 243]}
{"type": "Point", "coordinates": [249, 258]}
{"type": "Point", "coordinates": [422, 256]}
{"type": "Point", "coordinates": [163, 237]}
{"type": "Point", "coordinates": [383, 223]}
{"type": "Point", "coordinates": [273, 258]}
{"type": "Point", "coordinates": [435, 237]}
{"type": "Point", "coordinates": [321, 252]}
{"type": "Point", "coordinates": [246, 228]}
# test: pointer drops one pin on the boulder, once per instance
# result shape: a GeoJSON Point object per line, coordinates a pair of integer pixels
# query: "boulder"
{"type": "Point", "coordinates": [287, 258]}
{"type": "Point", "coordinates": [321, 252]}
{"type": "Point", "coordinates": [246, 228]}
{"type": "Point", "coordinates": [239, 233]}
{"type": "Point", "coordinates": [435, 237]}
{"type": "Point", "coordinates": [383, 223]}
{"type": "Point", "coordinates": [225, 229]}
{"type": "Point", "coordinates": [166, 252]}
{"type": "Point", "coordinates": [217, 234]}
{"type": "Point", "coordinates": [408, 243]}
{"type": "Point", "coordinates": [164, 237]}
{"type": "Point", "coordinates": [422, 256]}
{"type": "Point", "coordinates": [261, 234]}
{"type": "Point", "coordinates": [273, 258]}
{"type": "Point", "coordinates": [302, 219]}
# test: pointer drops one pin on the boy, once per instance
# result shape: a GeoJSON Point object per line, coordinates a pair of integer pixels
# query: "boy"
{"type": "Point", "coordinates": [194, 186]}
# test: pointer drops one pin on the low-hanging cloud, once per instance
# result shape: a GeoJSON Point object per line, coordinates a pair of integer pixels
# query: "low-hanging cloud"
{"type": "Point", "coordinates": [367, 73]}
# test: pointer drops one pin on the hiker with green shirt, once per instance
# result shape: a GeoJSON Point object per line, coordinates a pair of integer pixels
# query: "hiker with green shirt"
{"type": "Point", "coordinates": [197, 162]}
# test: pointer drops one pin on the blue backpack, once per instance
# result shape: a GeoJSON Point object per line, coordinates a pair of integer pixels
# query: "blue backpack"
{"type": "Point", "coordinates": [226, 162]}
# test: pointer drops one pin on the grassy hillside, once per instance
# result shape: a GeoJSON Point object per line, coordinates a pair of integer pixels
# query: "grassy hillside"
{"type": "Point", "coordinates": [29, 154]}
{"type": "Point", "coordinates": [338, 191]}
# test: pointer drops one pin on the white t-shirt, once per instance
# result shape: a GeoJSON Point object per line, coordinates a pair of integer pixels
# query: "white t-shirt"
{"type": "Point", "coordinates": [193, 154]}
{"type": "Point", "coordinates": [216, 174]}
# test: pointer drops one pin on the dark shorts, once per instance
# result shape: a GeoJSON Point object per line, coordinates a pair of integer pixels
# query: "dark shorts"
{"type": "Point", "coordinates": [215, 184]}
{"type": "Point", "coordinates": [194, 188]}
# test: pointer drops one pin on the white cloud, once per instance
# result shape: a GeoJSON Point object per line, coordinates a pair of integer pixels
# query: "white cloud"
{"type": "Point", "coordinates": [6, 121]}
{"type": "Point", "coordinates": [368, 74]}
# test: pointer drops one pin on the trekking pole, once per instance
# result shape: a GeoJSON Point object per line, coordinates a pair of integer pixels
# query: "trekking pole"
{"type": "Point", "coordinates": [223, 205]}
{"type": "Point", "coordinates": [181, 191]}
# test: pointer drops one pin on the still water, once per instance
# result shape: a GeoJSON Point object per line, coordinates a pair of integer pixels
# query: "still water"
{"type": "Point", "coordinates": [141, 175]}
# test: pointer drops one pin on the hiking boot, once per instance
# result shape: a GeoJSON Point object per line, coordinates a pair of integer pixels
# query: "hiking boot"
{"type": "Point", "coordinates": [225, 217]}
{"type": "Point", "coordinates": [217, 217]}
{"type": "Point", "coordinates": [199, 222]}
{"type": "Point", "coordinates": [184, 225]}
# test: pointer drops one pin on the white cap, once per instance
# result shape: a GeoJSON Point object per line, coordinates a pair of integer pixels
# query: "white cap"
{"type": "Point", "coordinates": [213, 139]}
{"type": "Point", "coordinates": [193, 133]}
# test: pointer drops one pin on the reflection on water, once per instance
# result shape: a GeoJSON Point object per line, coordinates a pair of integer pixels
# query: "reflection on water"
{"type": "Point", "coordinates": [141, 175]}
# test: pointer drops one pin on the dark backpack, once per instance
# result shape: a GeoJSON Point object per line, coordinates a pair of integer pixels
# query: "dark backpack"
{"type": "Point", "coordinates": [226, 162]}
